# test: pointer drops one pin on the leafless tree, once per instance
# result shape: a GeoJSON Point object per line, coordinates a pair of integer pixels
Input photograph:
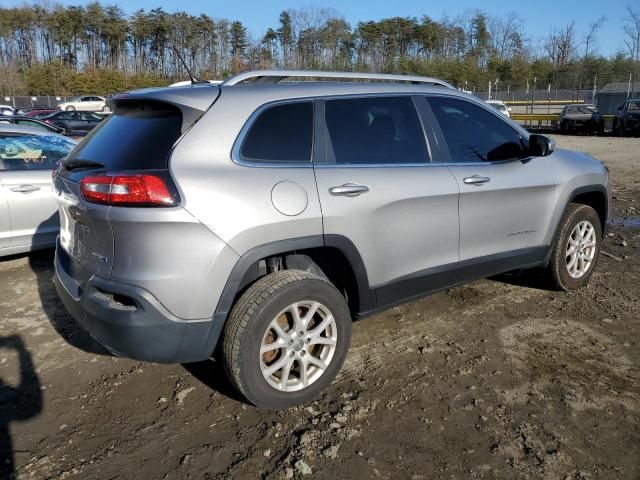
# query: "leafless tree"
{"type": "Point", "coordinates": [561, 44]}
{"type": "Point", "coordinates": [590, 37]}
{"type": "Point", "coordinates": [632, 30]}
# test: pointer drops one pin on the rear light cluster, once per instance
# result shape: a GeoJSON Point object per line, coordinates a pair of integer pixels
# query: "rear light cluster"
{"type": "Point", "coordinates": [128, 190]}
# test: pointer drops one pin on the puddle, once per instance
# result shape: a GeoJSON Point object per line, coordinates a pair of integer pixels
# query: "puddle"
{"type": "Point", "coordinates": [627, 222]}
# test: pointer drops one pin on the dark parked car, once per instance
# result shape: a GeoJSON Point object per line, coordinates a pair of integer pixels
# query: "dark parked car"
{"type": "Point", "coordinates": [76, 123]}
{"type": "Point", "coordinates": [32, 122]}
{"type": "Point", "coordinates": [627, 119]}
{"type": "Point", "coordinates": [581, 117]}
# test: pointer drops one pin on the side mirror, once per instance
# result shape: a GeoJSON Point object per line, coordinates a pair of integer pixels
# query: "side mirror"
{"type": "Point", "coordinates": [541, 145]}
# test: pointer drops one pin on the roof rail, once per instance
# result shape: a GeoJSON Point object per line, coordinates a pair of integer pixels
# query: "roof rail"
{"type": "Point", "coordinates": [275, 76]}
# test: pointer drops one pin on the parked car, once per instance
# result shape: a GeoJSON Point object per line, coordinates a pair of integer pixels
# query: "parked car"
{"type": "Point", "coordinates": [500, 106]}
{"type": "Point", "coordinates": [627, 118]}
{"type": "Point", "coordinates": [581, 117]}
{"type": "Point", "coordinates": [32, 122]}
{"type": "Point", "coordinates": [28, 208]}
{"type": "Point", "coordinates": [76, 123]}
{"type": "Point", "coordinates": [40, 113]}
{"type": "Point", "coordinates": [256, 220]}
{"type": "Point", "coordinates": [87, 103]}
{"type": "Point", "coordinates": [33, 108]}
{"type": "Point", "coordinates": [6, 110]}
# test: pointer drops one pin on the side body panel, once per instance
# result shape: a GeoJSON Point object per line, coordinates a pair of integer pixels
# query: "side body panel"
{"type": "Point", "coordinates": [233, 200]}
{"type": "Point", "coordinates": [407, 221]}
{"type": "Point", "coordinates": [5, 219]}
{"type": "Point", "coordinates": [510, 212]}
{"type": "Point", "coordinates": [32, 207]}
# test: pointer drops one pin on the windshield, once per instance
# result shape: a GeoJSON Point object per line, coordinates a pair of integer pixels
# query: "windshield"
{"type": "Point", "coordinates": [582, 109]}
{"type": "Point", "coordinates": [634, 105]}
{"type": "Point", "coordinates": [32, 152]}
{"type": "Point", "coordinates": [499, 106]}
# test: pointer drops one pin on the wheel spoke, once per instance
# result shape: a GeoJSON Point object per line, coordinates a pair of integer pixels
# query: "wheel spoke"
{"type": "Point", "coordinates": [318, 340]}
{"type": "Point", "coordinates": [317, 362]}
{"type": "Point", "coordinates": [279, 330]}
{"type": "Point", "coordinates": [304, 375]}
{"type": "Point", "coordinates": [298, 324]}
{"type": "Point", "coordinates": [310, 313]}
{"type": "Point", "coordinates": [321, 327]}
{"type": "Point", "coordinates": [571, 250]}
{"type": "Point", "coordinates": [286, 371]}
{"type": "Point", "coordinates": [271, 369]}
{"type": "Point", "coordinates": [269, 347]}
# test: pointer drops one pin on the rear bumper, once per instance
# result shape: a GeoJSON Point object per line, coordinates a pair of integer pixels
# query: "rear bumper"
{"type": "Point", "coordinates": [130, 322]}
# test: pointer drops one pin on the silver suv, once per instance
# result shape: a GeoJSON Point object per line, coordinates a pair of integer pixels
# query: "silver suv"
{"type": "Point", "coordinates": [254, 220]}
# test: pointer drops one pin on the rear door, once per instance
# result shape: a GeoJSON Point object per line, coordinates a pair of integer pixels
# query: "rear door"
{"type": "Point", "coordinates": [507, 197]}
{"type": "Point", "coordinates": [379, 189]}
{"type": "Point", "coordinates": [26, 163]}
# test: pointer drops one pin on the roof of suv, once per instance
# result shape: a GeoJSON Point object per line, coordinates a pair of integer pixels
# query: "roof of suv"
{"type": "Point", "coordinates": [268, 86]}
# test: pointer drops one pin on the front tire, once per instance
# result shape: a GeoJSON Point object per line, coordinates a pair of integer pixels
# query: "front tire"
{"type": "Point", "coordinates": [286, 339]}
{"type": "Point", "coordinates": [576, 248]}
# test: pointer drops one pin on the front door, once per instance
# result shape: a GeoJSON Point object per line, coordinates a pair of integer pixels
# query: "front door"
{"type": "Point", "coordinates": [506, 196]}
{"type": "Point", "coordinates": [378, 189]}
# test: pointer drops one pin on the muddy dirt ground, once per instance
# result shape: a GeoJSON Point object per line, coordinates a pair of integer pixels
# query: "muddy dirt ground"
{"type": "Point", "coordinates": [497, 379]}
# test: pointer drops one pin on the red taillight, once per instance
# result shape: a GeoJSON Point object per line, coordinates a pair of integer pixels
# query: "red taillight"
{"type": "Point", "coordinates": [133, 190]}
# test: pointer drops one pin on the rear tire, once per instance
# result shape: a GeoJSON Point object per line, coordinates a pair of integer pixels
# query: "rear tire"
{"type": "Point", "coordinates": [289, 319]}
{"type": "Point", "coordinates": [576, 248]}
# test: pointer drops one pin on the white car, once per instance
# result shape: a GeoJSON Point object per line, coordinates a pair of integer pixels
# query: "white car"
{"type": "Point", "coordinates": [6, 110]}
{"type": "Point", "coordinates": [87, 103]}
{"type": "Point", "coordinates": [500, 106]}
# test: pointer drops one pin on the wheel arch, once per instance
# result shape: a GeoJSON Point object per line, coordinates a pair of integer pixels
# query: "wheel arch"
{"type": "Point", "coordinates": [334, 257]}
{"type": "Point", "coordinates": [594, 196]}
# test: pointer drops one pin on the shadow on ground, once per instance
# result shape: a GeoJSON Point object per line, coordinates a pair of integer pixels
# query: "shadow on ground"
{"type": "Point", "coordinates": [41, 263]}
{"type": "Point", "coordinates": [18, 402]}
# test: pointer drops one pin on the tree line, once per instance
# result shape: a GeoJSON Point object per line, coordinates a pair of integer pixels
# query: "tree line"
{"type": "Point", "coordinates": [98, 48]}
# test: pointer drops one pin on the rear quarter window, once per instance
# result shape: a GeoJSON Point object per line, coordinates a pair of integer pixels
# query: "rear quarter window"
{"type": "Point", "coordinates": [136, 136]}
{"type": "Point", "coordinates": [281, 134]}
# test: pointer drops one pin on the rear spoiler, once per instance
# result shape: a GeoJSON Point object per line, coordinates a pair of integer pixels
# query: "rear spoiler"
{"type": "Point", "coordinates": [192, 100]}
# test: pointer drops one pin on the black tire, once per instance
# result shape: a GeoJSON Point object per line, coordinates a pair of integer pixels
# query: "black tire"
{"type": "Point", "coordinates": [563, 126]}
{"type": "Point", "coordinates": [70, 108]}
{"type": "Point", "coordinates": [249, 322]}
{"type": "Point", "coordinates": [557, 270]}
{"type": "Point", "coordinates": [106, 108]}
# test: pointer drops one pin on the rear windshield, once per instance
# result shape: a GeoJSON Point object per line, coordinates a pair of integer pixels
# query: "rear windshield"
{"type": "Point", "coordinates": [137, 136]}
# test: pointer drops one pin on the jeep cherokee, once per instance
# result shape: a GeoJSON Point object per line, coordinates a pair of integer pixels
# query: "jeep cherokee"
{"type": "Point", "coordinates": [254, 220]}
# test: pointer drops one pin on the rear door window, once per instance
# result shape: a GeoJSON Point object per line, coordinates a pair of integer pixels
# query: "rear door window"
{"type": "Point", "coordinates": [375, 130]}
{"type": "Point", "coordinates": [136, 136]}
{"type": "Point", "coordinates": [280, 133]}
{"type": "Point", "coordinates": [474, 134]}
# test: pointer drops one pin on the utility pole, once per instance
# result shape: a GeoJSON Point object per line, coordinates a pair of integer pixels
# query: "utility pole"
{"type": "Point", "coordinates": [593, 95]}
{"type": "Point", "coordinates": [629, 86]}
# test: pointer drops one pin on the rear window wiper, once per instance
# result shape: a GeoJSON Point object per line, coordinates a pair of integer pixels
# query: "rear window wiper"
{"type": "Point", "coordinates": [78, 164]}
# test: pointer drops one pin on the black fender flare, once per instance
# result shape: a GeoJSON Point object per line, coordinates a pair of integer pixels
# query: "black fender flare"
{"type": "Point", "coordinates": [594, 188]}
{"type": "Point", "coordinates": [244, 270]}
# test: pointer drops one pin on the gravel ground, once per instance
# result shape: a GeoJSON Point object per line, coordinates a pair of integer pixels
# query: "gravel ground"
{"type": "Point", "coordinates": [497, 379]}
